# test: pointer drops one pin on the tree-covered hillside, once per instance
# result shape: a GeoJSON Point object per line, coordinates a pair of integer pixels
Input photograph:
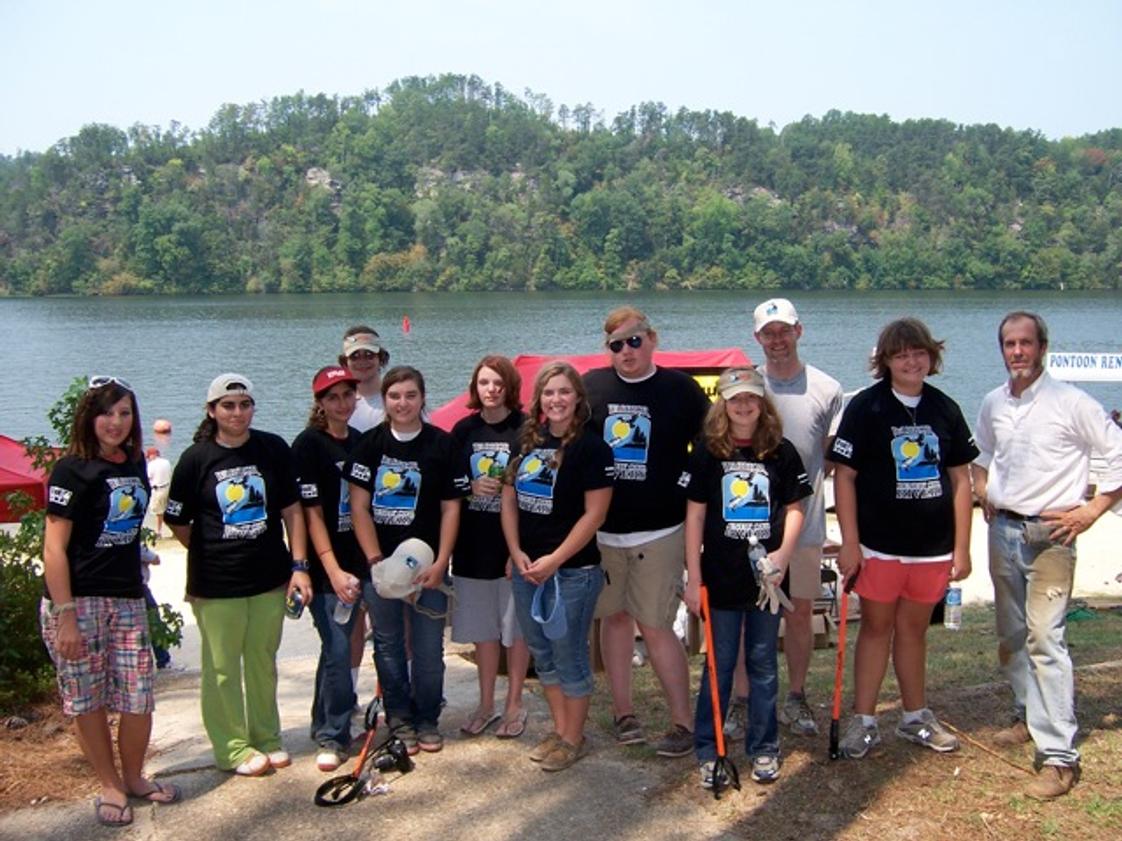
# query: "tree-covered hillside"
{"type": "Point", "coordinates": [451, 183]}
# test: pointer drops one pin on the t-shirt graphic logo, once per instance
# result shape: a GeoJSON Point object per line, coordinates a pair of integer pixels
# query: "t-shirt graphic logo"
{"type": "Point", "coordinates": [127, 503]}
{"type": "Point", "coordinates": [344, 502]}
{"type": "Point", "coordinates": [745, 497]}
{"type": "Point", "coordinates": [396, 487]}
{"type": "Point", "coordinates": [241, 497]}
{"type": "Point", "coordinates": [916, 453]}
{"type": "Point", "coordinates": [627, 430]}
{"type": "Point", "coordinates": [488, 460]}
{"type": "Point", "coordinates": [535, 476]}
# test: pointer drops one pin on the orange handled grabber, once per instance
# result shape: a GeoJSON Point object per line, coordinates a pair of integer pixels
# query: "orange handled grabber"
{"type": "Point", "coordinates": [723, 768]}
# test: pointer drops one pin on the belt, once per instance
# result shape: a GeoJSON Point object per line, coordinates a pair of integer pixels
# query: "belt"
{"type": "Point", "coordinates": [1013, 515]}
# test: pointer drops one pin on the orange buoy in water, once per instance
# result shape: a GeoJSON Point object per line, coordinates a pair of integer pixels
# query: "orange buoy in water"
{"type": "Point", "coordinates": [162, 426]}
{"type": "Point", "coordinates": [405, 325]}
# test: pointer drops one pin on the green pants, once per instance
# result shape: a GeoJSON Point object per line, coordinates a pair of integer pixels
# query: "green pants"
{"type": "Point", "coordinates": [240, 636]}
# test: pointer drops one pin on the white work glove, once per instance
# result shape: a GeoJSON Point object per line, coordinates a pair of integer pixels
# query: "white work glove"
{"type": "Point", "coordinates": [771, 596]}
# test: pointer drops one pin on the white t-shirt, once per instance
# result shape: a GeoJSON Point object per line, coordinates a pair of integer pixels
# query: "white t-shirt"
{"type": "Point", "coordinates": [369, 412]}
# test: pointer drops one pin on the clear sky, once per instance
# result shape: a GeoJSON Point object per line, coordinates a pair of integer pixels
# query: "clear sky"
{"type": "Point", "coordinates": [1051, 66]}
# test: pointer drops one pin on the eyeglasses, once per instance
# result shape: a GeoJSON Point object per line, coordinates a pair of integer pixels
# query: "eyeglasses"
{"type": "Point", "coordinates": [616, 345]}
{"type": "Point", "coordinates": [102, 380]}
{"type": "Point", "coordinates": [363, 354]}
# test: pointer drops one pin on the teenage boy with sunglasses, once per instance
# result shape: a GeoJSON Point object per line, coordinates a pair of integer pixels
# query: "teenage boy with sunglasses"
{"type": "Point", "coordinates": [648, 415]}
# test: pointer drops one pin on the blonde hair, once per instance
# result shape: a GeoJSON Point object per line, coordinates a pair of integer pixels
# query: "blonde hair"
{"type": "Point", "coordinates": [717, 431]}
{"type": "Point", "coordinates": [622, 315]}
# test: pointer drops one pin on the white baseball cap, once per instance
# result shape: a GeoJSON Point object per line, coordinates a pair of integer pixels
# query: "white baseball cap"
{"type": "Point", "coordinates": [775, 309]}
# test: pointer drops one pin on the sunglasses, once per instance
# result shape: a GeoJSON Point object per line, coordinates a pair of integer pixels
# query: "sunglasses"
{"type": "Point", "coordinates": [616, 345]}
{"type": "Point", "coordinates": [102, 380]}
{"type": "Point", "coordinates": [363, 354]}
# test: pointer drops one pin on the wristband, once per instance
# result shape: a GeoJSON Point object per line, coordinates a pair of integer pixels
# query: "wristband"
{"type": "Point", "coordinates": [59, 609]}
{"type": "Point", "coordinates": [375, 558]}
{"type": "Point", "coordinates": [299, 566]}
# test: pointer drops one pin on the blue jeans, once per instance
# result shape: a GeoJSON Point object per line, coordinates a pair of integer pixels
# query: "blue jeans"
{"type": "Point", "coordinates": [1032, 579]}
{"type": "Point", "coordinates": [567, 661]}
{"type": "Point", "coordinates": [334, 696]}
{"type": "Point", "coordinates": [761, 640]}
{"type": "Point", "coordinates": [414, 694]}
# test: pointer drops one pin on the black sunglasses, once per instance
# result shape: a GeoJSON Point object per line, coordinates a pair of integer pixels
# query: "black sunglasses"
{"type": "Point", "coordinates": [616, 345]}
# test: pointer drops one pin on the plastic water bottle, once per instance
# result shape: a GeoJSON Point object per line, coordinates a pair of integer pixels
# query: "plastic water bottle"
{"type": "Point", "coordinates": [343, 611]}
{"type": "Point", "coordinates": [952, 612]}
{"type": "Point", "coordinates": [756, 554]}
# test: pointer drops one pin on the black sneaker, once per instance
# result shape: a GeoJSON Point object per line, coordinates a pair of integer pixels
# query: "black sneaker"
{"type": "Point", "coordinates": [628, 731]}
{"type": "Point", "coordinates": [678, 742]}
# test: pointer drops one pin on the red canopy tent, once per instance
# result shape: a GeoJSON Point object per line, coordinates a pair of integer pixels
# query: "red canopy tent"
{"type": "Point", "coordinates": [18, 474]}
{"type": "Point", "coordinates": [702, 364]}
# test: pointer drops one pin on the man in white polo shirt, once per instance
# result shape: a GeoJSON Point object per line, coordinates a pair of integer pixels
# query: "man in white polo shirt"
{"type": "Point", "coordinates": [1036, 437]}
{"type": "Point", "coordinates": [809, 404]}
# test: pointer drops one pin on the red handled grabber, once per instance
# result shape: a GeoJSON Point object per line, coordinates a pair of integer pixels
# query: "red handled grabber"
{"type": "Point", "coordinates": [724, 772]}
{"type": "Point", "coordinates": [839, 666]}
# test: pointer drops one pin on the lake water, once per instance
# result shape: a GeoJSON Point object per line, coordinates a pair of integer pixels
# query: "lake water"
{"type": "Point", "coordinates": [170, 348]}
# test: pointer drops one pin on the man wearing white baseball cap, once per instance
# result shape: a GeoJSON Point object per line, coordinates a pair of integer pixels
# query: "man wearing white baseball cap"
{"type": "Point", "coordinates": [809, 403]}
{"type": "Point", "coordinates": [365, 357]}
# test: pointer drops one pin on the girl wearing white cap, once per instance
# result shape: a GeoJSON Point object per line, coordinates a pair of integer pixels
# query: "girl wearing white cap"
{"type": "Point", "coordinates": [745, 484]}
{"type": "Point", "coordinates": [230, 493]}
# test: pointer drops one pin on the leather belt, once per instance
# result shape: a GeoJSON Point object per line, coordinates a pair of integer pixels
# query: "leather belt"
{"type": "Point", "coordinates": [1013, 515]}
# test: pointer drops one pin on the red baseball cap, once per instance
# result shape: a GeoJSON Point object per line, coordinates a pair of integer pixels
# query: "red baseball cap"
{"type": "Point", "coordinates": [329, 376]}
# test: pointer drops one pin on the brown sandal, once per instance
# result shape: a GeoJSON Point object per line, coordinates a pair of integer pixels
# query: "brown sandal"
{"type": "Point", "coordinates": [512, 728]}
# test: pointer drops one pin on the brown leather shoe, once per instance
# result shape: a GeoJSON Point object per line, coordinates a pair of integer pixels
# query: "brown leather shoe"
{"type": "Point", "coordinates": [1017, 734]}
{"type": "Point", "coordinates": [1053, 781]}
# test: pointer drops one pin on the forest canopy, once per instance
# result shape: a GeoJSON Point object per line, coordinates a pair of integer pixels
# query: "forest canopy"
{"type": "Point", "coordinates": [452, 183]}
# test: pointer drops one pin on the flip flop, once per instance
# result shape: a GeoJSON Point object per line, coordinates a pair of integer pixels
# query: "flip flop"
{"type": "Point", "coordinates": [110, 814]}
{"type": "Point", "coordinates": [478, 723]}
{"type": "Point", "coordinates": [512, 728]}
{"type": "Point", "coordinates": [160, 793]}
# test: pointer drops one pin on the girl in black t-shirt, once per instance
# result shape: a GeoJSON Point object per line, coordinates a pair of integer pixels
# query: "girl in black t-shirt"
{"type": "Point", "coordinates": [745, 480]}
{"type": "Point", "coordinates": [93, 615]}
{"type": "Point", "coordinates": [338, 570]}
{"type": "Point", "coordinates": [406, 479]}
{"type": "Point", "coordinates": [484, 610]}
{"type": "Point", "coordinates": [902, 486]}
{"type": "Point", "coordinates": [555, 498]}
{"type": "Point", "coordinates": [230, 493]}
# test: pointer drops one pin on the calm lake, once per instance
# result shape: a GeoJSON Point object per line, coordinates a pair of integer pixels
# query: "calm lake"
{"type": "Point", "coordinates": [170, 348]}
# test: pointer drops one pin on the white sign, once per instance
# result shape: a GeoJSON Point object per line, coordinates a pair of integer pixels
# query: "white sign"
{"type": "Point", "coordinates": [1085, 367]}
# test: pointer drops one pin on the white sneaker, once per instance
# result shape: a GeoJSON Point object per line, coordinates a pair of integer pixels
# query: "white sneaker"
{"type": "Point", "coordinates": [328, 760]}
{"type": "Point", "coordinates": [255, 766]}
{"type": "Point", "coordinates": [279, 758]}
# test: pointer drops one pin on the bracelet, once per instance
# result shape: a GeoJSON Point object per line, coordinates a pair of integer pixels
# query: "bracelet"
{"type": "Point", "coordinates": [299, 566]}
{"type": "Point", "coordinates": [59, 609]}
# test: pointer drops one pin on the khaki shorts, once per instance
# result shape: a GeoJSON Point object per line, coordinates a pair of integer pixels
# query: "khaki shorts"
{"type": "Point", "coordinates": [806, 572]}
{"type": "Point", "coordinates": [644, 581]}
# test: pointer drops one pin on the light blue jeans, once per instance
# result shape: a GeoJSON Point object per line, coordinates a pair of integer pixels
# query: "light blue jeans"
{"type": "Point", "coordinates": [567, 661]}
{"type": "Point", "coordinates": [1032, 578]}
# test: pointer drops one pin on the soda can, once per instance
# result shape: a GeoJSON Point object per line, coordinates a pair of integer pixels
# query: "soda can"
{"type": "Point", "coordinates": [294, 605]}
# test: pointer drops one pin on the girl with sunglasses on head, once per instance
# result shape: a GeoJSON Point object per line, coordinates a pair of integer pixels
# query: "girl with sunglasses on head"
{"type": "Point", "coordinates": [337, 568]}
{"type": "Point", "coordinates": [233, 498]}
{"type": "Point", "coordinates": [93, 615]}
{"type": "Point", "coordinates": [484, 610]}
{"type": "Point", "coordinates": [556, 496]}
{"type": "Point", "coordinates": [406, 481]}
{"type": "Point", "coordinates": [745, 481]}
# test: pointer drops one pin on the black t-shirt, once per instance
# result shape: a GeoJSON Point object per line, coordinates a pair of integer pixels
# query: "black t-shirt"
{"type": "Point", "coordinates": [744, 496]}
{"type": "Point", "coordinates": [407, 481]}
{"type": "Point", "coordinates": [905, 505]}
{"type": "Point", "coordinates": [319, 463]}
{"type": "Point", "coordinates": [480, 548]}
{"type": "Point", "coordinates": [649, 426]}
{"type": "Point", "coordinates": [232, 497]}
{"type": "Point", "coordinates": [551, 498]}
{"type": "Point", "coordinates": [105, 504]}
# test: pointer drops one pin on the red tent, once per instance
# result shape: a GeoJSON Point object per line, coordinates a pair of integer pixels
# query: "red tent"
{"type": "Point", "coordinates": [705, 365]}
{"type": "Point", "coordinates": [18, 474]}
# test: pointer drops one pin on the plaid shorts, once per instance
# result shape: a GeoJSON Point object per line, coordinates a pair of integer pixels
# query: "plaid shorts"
{"type": "Point", "coordinates": [116, 669]}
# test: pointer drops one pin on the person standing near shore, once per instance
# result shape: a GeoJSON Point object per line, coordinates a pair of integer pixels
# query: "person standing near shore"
{"type": "Point", "coordinates": [902, 485]}
{"type": "Point", "coordinates": [648, 416]}
{"type": "Point", "coordinates": [1036, 436]}
{"type": "Point", "coordinates": [364, 356]}
{"type": "Point", "coordinates": [234, 498]}
{"type": "Point", "coordinates": [809, 404]}
{"type": "Point", "coordinates": [93, 617]}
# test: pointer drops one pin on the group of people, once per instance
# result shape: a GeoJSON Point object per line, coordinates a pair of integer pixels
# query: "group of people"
{"type": "Point", "coordinates": [615, 495]}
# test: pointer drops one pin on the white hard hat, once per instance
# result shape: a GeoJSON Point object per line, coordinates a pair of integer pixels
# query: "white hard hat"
{"type": "Point", "coordinates": [394, 578]}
